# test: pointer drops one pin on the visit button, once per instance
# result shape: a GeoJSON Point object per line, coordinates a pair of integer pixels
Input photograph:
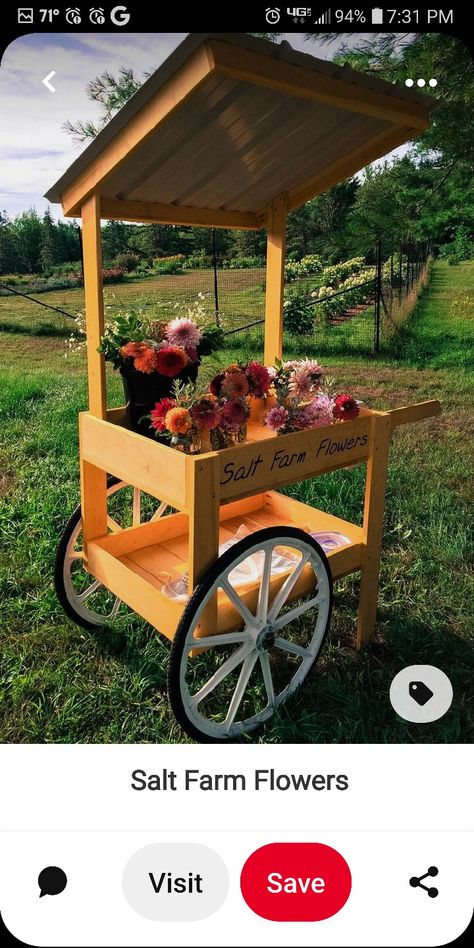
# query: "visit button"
{"type": "Point", "coordinates": [296, 882]}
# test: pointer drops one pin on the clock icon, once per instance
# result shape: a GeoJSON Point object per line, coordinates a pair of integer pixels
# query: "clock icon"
{"type": "Point", "coordinates": [272, 15]}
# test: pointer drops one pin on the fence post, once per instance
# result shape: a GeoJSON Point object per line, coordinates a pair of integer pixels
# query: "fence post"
{"type": "Point", "coordinates": [216, 285]}
{"type": "Point", "coordinates": [378, 293]}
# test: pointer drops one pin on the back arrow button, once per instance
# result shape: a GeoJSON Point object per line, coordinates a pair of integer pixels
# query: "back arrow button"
{"type": "Point", "coordinates": [47, 83]}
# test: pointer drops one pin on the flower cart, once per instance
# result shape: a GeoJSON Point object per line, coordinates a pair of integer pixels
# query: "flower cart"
{"type": "Point", "coordinates": [230, 131]}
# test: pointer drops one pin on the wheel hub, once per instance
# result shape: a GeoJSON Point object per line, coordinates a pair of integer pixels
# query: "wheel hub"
{"type": "Point", "coordinates": [266, 639]}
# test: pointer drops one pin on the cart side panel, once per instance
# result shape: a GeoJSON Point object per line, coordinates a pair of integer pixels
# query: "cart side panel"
{"type": "Point", "coordinates": [152, 467]}
{"type": "Point", "coordinates": [249, 468]}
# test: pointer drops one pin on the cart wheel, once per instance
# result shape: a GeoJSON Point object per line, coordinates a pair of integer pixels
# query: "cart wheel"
{"type": "Point", "coordinates": [242, 676]}
{"type": "Point", "coordinates": [85, 600]}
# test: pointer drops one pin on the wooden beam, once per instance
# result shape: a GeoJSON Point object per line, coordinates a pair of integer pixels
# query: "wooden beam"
{"type": "Point", "coordinates": [276, 244]}
{"type": "Point", "coordinates": [348, 164]}
{"type": "Point", "coordinates": [94, 303]}
{"type": "Point", "coordinates": [374, 503]}
{"type": "Point", "coordinates": [144, 212]}
{"type": "Point", "coordinates": [174, 92]}
{"type": "Point", "coordinates": [308, 84]}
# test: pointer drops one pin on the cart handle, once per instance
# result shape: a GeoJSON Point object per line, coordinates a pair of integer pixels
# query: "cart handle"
{"type": "Point", "coordinates": [404, 416]}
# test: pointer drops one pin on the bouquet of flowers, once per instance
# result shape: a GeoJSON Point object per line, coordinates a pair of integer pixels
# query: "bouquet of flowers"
{"type": "Point", "coordinates": [195, 422]}
{"type": "Point", "coordinates": [303, 400]}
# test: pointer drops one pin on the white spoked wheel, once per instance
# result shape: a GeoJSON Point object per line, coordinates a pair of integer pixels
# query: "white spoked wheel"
{"type": "Point", "coordinates": [84, 599]}
{"type": "Point", "coordinates": [239, 678]}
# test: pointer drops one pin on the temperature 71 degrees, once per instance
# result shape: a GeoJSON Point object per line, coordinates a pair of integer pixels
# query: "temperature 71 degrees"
{"type": "Point", "coordinates": [47, 15]}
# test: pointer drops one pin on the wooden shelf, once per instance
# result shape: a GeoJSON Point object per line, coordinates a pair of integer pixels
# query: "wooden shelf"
{"type": "Point", "coordinates": [138, 562]}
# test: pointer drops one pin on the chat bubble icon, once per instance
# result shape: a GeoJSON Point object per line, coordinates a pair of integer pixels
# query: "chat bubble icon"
{"type": "Point", "coordinates": [52, 881]}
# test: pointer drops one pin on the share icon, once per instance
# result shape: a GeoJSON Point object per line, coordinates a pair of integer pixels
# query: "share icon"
{"type": "Point", "coordinates": [416, 881]}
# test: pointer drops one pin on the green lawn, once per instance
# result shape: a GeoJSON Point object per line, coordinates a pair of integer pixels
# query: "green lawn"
{"type": "Point", "coordinates": [59, 683]}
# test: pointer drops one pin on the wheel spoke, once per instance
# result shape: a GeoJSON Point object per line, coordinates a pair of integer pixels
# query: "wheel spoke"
{"type": "Point", "coordinates": [227, 638]}
{"type": "Point", "coordinates": [90, 589]}
{"type": "Point", "coordinates": [267, 677]}
{"type": "Point", "coordinates": [137, 507]}
{"type": "Point", "coordinates": [297, 611]}
{"type": "Point", "coordinates": [159, 513]}
{"type": "Point", "coordinates": [113, 525]}
{"type": "Point", "coordinates": [115, 607]}
{"type": "Point", "coordinates": [246, 671]}
{"type": "Point", "coordinates": [239, 656]}
{"type": "Point", "coordinates": [247, 616]}
{"type": "Point", "coordinates": [292, 648]}
{"type": "Point", "coordinates": [75, 555]}
{"type": "Point", "coordinates": [288, 585]}
{"type": "Point", "coordinates": [264, 590]}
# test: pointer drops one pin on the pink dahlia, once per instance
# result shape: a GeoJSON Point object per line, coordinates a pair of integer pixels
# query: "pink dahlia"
{"type": "Point", "coordinates": [304, 378]}
{"type": "Point", "coordinates": [206, 413]}
{"type": "Point", "coordinates": [345, 407]}
{"type": "Point", "coordinates": [276, 418]}
{"type": "Point", "coordinates": [303, 418]}
{"type": "Point", "coordinates": [258, 378]}
{"type": "Point", "coordinates": [159, 412]}
{"type": "Point", "coordinates": [233, 415]}
{"type": "Point", "coordinates": [321, 407]}
{"type": "Point", "coordinates": [183, 332]}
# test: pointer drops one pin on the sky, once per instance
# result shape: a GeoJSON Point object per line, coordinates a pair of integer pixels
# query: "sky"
{"type": "Point", "coordinates": [34, 148]}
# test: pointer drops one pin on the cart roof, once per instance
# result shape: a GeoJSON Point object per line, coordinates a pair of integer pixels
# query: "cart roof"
{"type": "Point", "coordinates": [228, 122]}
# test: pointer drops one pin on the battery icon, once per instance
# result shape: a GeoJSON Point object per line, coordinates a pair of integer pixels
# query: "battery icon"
{"type": "Point", "coordinates": [377, 15]}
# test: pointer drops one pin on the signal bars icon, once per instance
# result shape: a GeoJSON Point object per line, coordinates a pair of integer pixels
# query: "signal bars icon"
{"type": "Point", "coordinates": [325, 19]}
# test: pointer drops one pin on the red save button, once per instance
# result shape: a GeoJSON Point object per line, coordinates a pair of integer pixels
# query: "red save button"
{"type": "Point", "coordinates": [296, 882]}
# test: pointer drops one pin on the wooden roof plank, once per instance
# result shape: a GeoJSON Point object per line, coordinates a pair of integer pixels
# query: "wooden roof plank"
{"type": "Point", "coordinates": [175, 91]}
{"type": "Point", "coordinates": [299, 81]}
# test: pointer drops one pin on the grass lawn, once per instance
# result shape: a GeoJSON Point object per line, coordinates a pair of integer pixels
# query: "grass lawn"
{"type": "Point", "coordinates": [59, 683]}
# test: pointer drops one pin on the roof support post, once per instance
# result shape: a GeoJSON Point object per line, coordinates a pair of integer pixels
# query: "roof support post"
{"type": "Point", "coordinates": [276, 245]}
{"type": "Point", "coordinates": [94, 301]}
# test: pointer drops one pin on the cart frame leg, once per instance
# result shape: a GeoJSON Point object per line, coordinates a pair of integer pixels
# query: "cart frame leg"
{"type": "Point", "coordinates": [93, 480]}
{"type": "Point", "coordinates": [377, 469]}
{"type": "Point", "coordinates": [202, 491]}
{"type": "Point", "coordinates": [274, 294]}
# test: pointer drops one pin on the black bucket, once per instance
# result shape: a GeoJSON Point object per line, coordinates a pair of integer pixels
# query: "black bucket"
{"type": "Point", "coordinates": [143, 390]}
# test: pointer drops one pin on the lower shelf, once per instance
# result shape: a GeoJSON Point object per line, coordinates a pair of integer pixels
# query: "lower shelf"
{"type": "Point", "coordinates": [138, 562]}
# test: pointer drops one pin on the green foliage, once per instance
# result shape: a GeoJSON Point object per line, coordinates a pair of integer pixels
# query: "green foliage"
{"type": "Point", "coordinates": [212, 339]}
{"type": "Point", "coordinates": [298, 316]}
{"type": "Point", "coordinates": [461, 248]}
{"type": "Point", "coordinates": [124, 327]}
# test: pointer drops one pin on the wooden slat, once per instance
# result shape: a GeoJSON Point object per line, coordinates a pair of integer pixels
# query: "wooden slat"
{"type": "Point", "coordinates": [292, 457]}
{"type": "Point", "coordinates": [202, 491]}
{"type": "Point", "coordinates": [275, 285]}
{"type": "Point", "coordinates": [174, 92]}
{"type": "Point", "coordinates": [153, 467]}
{"type": "Point", "coordinates": [348, 164]}
{"type": "Point", "coordinates": [307, 83]}
{"type": "Point", "coordinates": [143, 212]}
{"type": "Point", "coordinates": [411, 413]}
{"type": "Point", "coordinates": [94, 304]}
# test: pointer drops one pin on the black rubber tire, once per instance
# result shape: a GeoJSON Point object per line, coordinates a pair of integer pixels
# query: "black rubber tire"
{"type": "Point", "coordinates": [179, 640]}
{"type": "Point", "coordinates": [59, 564]}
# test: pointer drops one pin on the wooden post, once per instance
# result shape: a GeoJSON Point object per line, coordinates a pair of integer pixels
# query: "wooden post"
{"type": "Point", "coordinates": [92, 266]}
{"type": "Point", "coordinates": [93, 480]}
{"type": "Point", "coordinates": [276, 243]}
{"type": "Point", "coordinates": [377, 467]}
{"type": "Point", "coordinates": [202, 501]}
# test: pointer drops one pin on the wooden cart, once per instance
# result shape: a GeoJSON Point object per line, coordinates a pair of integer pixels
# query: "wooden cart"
{"type": "Point", "coordinates": [227, 133]}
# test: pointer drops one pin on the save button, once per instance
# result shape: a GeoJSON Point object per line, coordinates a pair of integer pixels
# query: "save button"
{"type": "Point", "coordinates": [296, 882]}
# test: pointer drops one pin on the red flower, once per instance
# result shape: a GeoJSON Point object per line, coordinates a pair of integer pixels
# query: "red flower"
{"type": "Point", "coordinates": [144, 356]}
{"type": "Point", "coordinates": [234, 414]}
{"type": "Point", "coordinates": [345, 408]}
{"type": "Point", "coordinates": [206, 413]}
{"type": "Point", "coordinates": [258, 379]}
{"type": "Point", "coordinates": [170, 361]}
{"type": "Point", "coordinates": [159, 412]}
{"type": "Point", "coordinates": [215, 385]}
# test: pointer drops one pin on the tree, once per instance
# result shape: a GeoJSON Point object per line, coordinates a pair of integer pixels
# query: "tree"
{"type": "Point", "coordinates": [10, 261]}
{"type": "Point", "coordinates": [48, 251]}
{"type": "Point", "coordinates": [111, 92]}
{"type": "Point", "coordinates": [28, 230]}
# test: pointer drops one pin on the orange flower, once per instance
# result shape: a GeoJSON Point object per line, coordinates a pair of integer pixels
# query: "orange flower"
{"type": "Point", "coordinates": [144, 357]}
{"type": "Point", "coordinates": [178, 420]}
